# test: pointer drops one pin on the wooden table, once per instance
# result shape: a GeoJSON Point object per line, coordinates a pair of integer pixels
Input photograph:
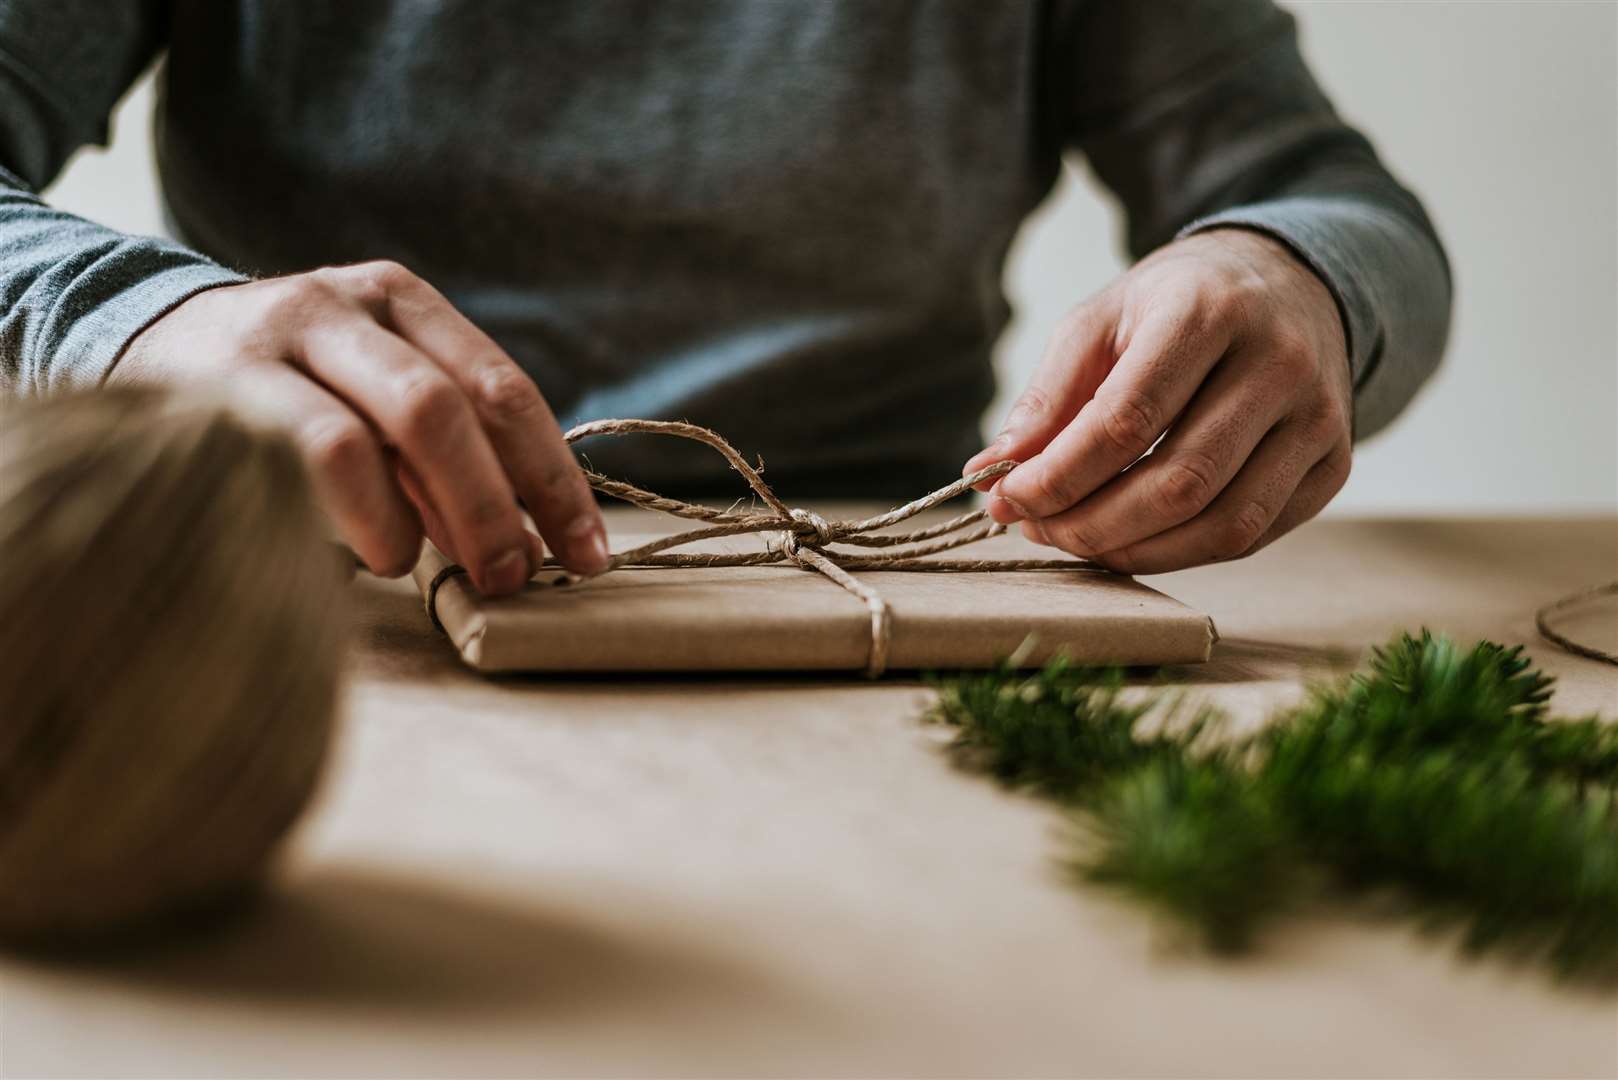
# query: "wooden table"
{"type": "Point", "coordinates": [784, 875]}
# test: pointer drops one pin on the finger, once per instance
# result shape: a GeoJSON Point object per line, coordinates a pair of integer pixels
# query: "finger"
{"type": "Point", "coordinates": [1286, 467]}
{"type": "Point", "coordinates": [420, 410]}
{"type": "Point", "coordinates": [514, 414]}
{"type": "Point", "coordinates": [1077, 358]}
{"type": "Point", "coordinates": [348, 468]}
{"type": "Point", "coordinates": [1227, 418]}
{"type": "Point", "coordinates": [1318, 489]}
{"type": "Point", "coordinates": [1160, 369]}
{"type": "Point", "coordinates": [433, 521]}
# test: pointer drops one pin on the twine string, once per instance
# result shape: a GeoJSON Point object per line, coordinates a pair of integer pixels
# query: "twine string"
{"type": "Point", "coordinates": [803, 538]}
{"type": "Point", "coordinates": [1542, 620]}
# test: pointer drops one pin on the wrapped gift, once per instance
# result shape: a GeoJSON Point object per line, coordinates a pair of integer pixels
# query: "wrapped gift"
{"type": "Point", "coordinates": [777, 588]}
{"type": "Point", "coordinates": [779, 617]}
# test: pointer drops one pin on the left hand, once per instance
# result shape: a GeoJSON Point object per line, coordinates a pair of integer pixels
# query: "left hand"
{"type": "Point", "coordinates": [1230, 349]}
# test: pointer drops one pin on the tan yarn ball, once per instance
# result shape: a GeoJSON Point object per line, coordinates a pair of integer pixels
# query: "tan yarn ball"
{"type": "Point", "coordinates": [169, 658]}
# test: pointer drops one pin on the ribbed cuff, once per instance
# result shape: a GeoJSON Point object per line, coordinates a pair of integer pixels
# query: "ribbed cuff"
{"type": "Point", "coordinates": [168, 275]}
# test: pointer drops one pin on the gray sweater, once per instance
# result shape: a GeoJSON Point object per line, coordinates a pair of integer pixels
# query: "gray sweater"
{"type": "Point", "coordinates": [786, 220]}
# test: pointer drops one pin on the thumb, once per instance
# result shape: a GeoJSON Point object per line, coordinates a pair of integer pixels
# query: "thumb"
{"type": "Point", "coordinates": [1080, 353]}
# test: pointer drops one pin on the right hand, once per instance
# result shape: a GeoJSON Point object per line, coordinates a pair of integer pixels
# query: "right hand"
{"type": "Point", "coordinates": [410, 418]}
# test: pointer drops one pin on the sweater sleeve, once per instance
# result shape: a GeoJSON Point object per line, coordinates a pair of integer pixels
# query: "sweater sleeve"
{"type": "Point", "coordinates": [73, 293]}
{"type": "Point", "coordinates": [1201, 114]}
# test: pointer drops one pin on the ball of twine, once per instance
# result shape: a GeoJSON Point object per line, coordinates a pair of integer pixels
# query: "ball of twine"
{"type": "Point", "coordinates": [169, 658]}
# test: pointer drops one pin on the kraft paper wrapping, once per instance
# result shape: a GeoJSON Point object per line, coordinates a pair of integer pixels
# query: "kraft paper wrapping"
{"type": "Point", "coordinates": [782, 618]}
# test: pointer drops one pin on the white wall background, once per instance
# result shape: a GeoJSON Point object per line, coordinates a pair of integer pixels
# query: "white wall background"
{"type": "Point", "coordinates": [1503, 116]}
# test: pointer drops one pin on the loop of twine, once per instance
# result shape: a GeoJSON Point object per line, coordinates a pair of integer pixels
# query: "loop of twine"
{"type": "Point", "coordinates": [1542, 620]}
{"type": "Point", "coordinates": [804, 538]}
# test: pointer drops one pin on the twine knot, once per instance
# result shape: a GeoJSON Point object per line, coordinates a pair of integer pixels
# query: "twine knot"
{"type": "Point", "coordinates": [809, 530]}
{"type": "Point", "coordinates": [804, 537]}
{"type": "Point", "coordinates": [813, 524]}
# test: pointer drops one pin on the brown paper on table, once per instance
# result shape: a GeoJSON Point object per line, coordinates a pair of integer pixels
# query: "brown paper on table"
{"type": "Point", "coordinates": [781, 618]}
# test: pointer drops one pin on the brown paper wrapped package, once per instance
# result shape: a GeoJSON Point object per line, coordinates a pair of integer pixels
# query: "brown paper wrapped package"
{"type": "Point", "coordinates": [780, 618]}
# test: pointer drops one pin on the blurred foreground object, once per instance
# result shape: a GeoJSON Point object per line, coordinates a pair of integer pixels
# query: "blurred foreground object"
{"type": "Point", "coordinates": [1437, 770]}
{"type": "Point", "coordinates": [168, 659]}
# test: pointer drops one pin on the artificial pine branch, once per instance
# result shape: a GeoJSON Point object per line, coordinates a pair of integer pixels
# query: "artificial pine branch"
{"type": "Point", "coordinates": [1195, 839]}
{"type": "Point", "coordinates": [1061, 730]}
{"type": "Point", "coordinates": [1438, 769]}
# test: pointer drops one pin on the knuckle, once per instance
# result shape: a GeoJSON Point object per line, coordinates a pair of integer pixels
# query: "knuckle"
{"type": "Point", "coordinates": [1128, 423]}
{"type": "Point", "coordinates": [1071, 324]}
{"type": "Point", "coordinates": [1291, 356]}
{"type": "Point", "coordinates": [291, 299]}
{"type": "Point", "coordinates": [1325, 423]}
{"type": "Point", "coordinates": [1340, 423]}
{"type": "Point", "coordinates": [395, 555]}
{"type": "Point", "coordinates": [492, 515]}
{"type": "Point", "coordinates": [1030, 407]}
{"type": "Point", "coordinates": [372, 283]}
{"type": "Point", "coordinates": [1337, 467]}
{"type": "Point", "coordinates": [1241, 531]}
{"type": "Point", "coordinates": [1050, 492]}
{"type": "Point", "coordinates": [1075, 328]}
{"type": "Point", "coordinates": [1033, 402]}
{"type": "Point", "coordinates": [1328, 426]}
{"type": "Point", "coordinates": [1186, 483]}
{"type": "Point", "coordinates": [505, 393]}
{"type": "Point", "coordinates": [1211, 306]}
{"type": "Point", "coordinates": [1121, 561]}
{"type": "Point", "coordinates": [1084, 539]}
{"type": "Point", "coordinates": [384, 273]}
{"type": "Point", "coordinates": [1077, 538]}
{"type": "Point", "coordinates": [338, 447]}
{"type": "Point", "coordinates": [428, 405]}
{"type": "Point", "coordinates": [1242, 295]}
{"type": "Point", "coordinates": [557, 482]}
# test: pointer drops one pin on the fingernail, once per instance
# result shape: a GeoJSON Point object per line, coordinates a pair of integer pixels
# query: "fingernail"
{"type": "Point", "coordinates": [507, 573]}
{"type": "Point", "coordinates": [587, 543]}
{"type": "Point", "coordinates": [994, 493]}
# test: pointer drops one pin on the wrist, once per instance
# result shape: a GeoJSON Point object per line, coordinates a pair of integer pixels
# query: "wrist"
{"type": "Point", "coordinates": [1278, 261]}
{"type": "Point", "coordinates": [140, 358]}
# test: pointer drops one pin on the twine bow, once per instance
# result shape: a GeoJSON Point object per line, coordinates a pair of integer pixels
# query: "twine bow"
{"type": "Point", "coordinates": [804, 538]}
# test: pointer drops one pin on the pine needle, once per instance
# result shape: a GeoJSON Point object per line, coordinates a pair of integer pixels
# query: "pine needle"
{"type": "Point", "coordinates": [1195, 840]}
{"type": "Point", "coordinates": [1438, 770]}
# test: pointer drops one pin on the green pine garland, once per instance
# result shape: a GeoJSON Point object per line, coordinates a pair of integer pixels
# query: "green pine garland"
{"type": "Point", "coordinates": [1437, 770]}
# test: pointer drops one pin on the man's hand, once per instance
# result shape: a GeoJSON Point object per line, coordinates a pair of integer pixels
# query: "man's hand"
{"type": "Point", "coordinates": [1232, 351]}
{"type": "Point", "coordinates": [409, 417]}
